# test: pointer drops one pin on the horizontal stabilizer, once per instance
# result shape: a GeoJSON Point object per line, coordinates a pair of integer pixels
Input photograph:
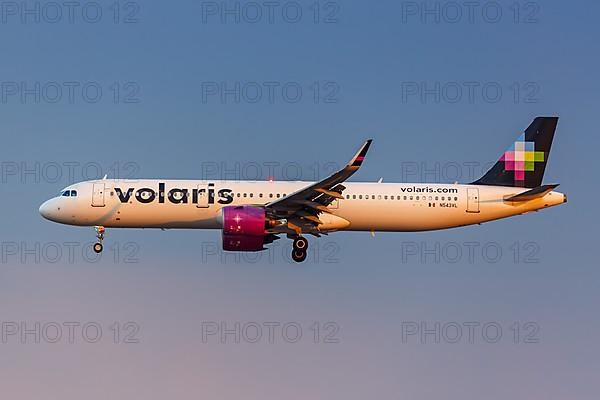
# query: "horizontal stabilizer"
{"type": "Point", "coordinates": [534, 193]}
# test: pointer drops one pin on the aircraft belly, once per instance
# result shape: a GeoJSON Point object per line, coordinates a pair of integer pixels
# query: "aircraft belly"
{"type": "Point", "coordinates": [160, 216]}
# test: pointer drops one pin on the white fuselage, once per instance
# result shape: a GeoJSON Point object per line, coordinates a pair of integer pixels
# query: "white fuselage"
{"type": "Point", "coordinates": [367, 206]}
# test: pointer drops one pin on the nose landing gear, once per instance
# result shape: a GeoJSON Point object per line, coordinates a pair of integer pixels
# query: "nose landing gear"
{"type": "Point", "coordinates": [100, 236]}
{"type": "Point", "coordinates": [300, 249]}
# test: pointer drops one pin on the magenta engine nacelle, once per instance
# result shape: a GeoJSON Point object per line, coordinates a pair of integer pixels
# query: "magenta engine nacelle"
{"type": "Point", "coordinates": [243, 228]}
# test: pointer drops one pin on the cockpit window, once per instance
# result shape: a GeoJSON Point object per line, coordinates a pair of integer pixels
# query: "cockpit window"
{"type": "Point", "coordinates": [66, 193]}
{"type": "Point", "coordinates": [73, 193]}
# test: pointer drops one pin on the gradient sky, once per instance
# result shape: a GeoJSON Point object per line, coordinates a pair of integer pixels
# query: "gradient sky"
{"type": "Point", "coordinates": [369, 287]}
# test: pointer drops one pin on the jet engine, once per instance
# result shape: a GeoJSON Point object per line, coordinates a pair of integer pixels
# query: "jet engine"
{"type": "Point", "coordinates": [243, 228]}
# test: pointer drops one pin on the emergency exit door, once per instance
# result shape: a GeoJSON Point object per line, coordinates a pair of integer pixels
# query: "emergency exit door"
{"type": "Point", "coordinates": [473, 200]}
{"type": "Point", "coordinates": [202, 196]}
{"type": "Point", "coordinates": [98, 195]}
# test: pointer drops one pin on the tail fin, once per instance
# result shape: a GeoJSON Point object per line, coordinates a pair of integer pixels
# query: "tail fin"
{"type": "Point", "coordinates": [524, 163]}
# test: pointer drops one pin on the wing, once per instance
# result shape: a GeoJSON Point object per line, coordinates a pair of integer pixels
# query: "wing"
{"type": "Point", "coordinates": [301, 209]}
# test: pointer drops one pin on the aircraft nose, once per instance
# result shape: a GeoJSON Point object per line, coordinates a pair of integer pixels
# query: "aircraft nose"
{"type": "Point", "coordinates": [46, 210]}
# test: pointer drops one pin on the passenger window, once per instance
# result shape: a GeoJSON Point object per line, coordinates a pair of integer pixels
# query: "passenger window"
{"type": "Point", "coordinates": [404, 197]}
{"type": "Point", "coordinates": [260, 195]}
{"type": "Point", "coordinates": [245, 194]}
{"type": "Point", "coordinates": [278, 195]}
{"type": "Point", "coordinates": [360, 196]}
{"type": "Point", "coordinates": [73, 193]}
{"type": "Point", "coordinates": [385, 197]}
{"type": "Point", "coordinates": [271, 195]}
{"type": "Point", "coordinates": [251, 194]}
{"type": "Point", "coordinates": [354, 197]}
{"type": "Point", "coordinates": [417, 197]}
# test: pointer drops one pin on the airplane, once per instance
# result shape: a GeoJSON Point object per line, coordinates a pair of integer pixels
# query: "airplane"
{"type": "Point", "coordinates": [252, 214]}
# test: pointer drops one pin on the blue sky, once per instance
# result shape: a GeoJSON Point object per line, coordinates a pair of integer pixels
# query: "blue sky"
{"type": "Point", "coordinates": [155, 117]}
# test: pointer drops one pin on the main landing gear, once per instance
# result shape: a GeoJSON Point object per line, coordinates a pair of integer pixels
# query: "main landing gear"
{"type": "Point", "coordinates": [300, 249]}
{"type": "Point", "coordinates": [100, 236]}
